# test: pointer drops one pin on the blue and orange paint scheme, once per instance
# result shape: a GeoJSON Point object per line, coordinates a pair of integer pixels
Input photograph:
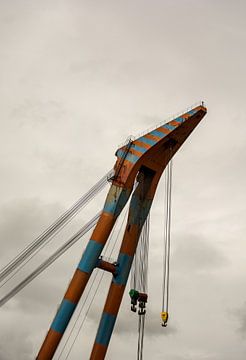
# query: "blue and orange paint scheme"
{"type": "Point", "coordinates": [145, 159]}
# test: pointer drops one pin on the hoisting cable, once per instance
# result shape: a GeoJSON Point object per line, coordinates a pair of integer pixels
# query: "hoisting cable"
{"type": "Point", "coordinates": [96, 290]}
{"type": "Point", "coordinates": [51, 259]}
{"type": "Point", "coordinates": [141, 323]}
{"type": "Point", "coordinates": [139, 283]}
{"type": "Point", "coordinates": [54, 228]}
{"type": "Point", "coordinates": [166, 249]}
{"type": "Point", "coordinates": [79, 314]}
{"type": "Point", "coordinates": [139, 270]}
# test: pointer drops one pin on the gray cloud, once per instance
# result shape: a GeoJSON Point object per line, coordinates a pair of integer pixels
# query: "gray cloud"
{"type": "Point", "coordinates": [22, 220]}
{"type": "Point", "coordinates": [77, 78]}
{"type": "Point", "coordinates": [15, 338]}
{"type": "Point", "coordinates": [8, 351]}
{"type": "Point", "coordinates": [193, 254]}
{"type": "Point", "coordinates": [240, 315]}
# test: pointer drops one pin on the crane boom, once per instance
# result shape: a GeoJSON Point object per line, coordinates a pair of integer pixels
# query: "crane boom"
{"type": "Point", "coordinates": [144, 159]}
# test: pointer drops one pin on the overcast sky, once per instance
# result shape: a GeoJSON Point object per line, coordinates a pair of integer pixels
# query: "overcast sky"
{"type": "Point", "coordinates": [76, 78]}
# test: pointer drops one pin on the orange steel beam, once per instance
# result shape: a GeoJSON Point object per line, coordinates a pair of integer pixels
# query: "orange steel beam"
{"type": "Point", "coordinates": [150, 168]}
{"type": "Point", "coordinates": [107, 266]}
{"type": "Point", "coordinates": [146, 156]}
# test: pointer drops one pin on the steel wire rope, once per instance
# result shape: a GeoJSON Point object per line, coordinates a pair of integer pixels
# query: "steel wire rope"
{"type": "Point", "coordinates": [143, 268]}
{"type": "Point", "coordinates": [17, 269]}
{"type": "Point", "coordinates": [51, 259]}
{"type": "Point", "coordinates": [167, 229]}
{"type": "Point", "coordinates": [54, 228]}
{"type": "Point", "coordinates": [140, 262]}
{"type": "Point", "coordinates": [165, 240]}
{"type": "Point", "coordinates": [139, 278]}
{"type": "Point", "coordinates": [45, 234]}
{"type": "Point", "coordinates": [80, 311]}
{"type": "Point", "coordinates": [145, 256]}
{"type": "Point", "coordinates": [139, 337]}
{"type": "Point", "coordinates": [88, 309]}
{"type": "Point", "coordinates": [169, 235]}
{"type": "Point", "coordinates": [50, 232]}
{"type": "Point", "coordinates": [141, 328]}
{"type": "Point", "coordinates": [146, 251]}
{"type": "Point", "coordinates": [70, 349]}
{"type": "Point", "coordinates": [83, 304]}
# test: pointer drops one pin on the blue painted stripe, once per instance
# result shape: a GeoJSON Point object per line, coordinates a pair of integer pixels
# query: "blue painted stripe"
{"type": "Point", "coordinates": [169, 127]}
{"type": "Point", "coordinates": [116, 200]}
{"type": "Point", "coordinates": [132, 158]}
{"type": "Point", "coordinates": [138, 210]}
{"type": "Point", "coordinates": [110, 207]}
{"type": "Point", "coordinates": [147, 141]}
{"type": "Point", "coordinates": [63, 316]}
{"type": "Point", "coordinates": [90, 256]}
{"type": "Point", "coordinates": [120, 153]}
{"type": "Point", "coordinates": [158, 133]}
{"type": "Point", "coordinates": [139, 148]}
{"type": "Point", "coordinates": [180, 120]}
{"type": "Point", "coordinates": [124, 265]}
{"type": "Point", "coordinates": [105, 329]}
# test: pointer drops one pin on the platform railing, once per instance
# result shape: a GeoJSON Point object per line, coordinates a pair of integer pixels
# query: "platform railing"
{"type": "Point", "coordinates": [170, 118]}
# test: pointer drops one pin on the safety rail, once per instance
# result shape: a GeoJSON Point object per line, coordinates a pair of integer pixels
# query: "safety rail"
{"type": "Point", "coordinates": [170, 118]}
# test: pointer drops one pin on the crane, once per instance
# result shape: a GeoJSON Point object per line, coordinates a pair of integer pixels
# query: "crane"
{"type": "Point", "coordinates": [141, 160]}
{"type": "Point", "coordinates": [134, 179]}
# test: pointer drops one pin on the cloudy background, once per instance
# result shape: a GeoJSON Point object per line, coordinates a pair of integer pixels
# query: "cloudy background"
{"type": "Point", "coordinates": [78, 77]}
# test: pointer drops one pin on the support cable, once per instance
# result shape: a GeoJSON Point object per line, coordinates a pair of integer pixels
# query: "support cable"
{"type": "Point", "coordinates": [24, 263]}
{"type": "Point", "coordinates": [139, 272]}
{"type": "Point", "coordinates": [167, 238]}
{"type": "Point", "coordinates": [141, 324]}
{"type": "Point", "coordinates": [139, 283]}
{"type": "Point", "coordinates": [51, 259]}
{"type": "Point", "coordinates": [93, 297]}
{"type": "Point", "coordinates": [54, 228]}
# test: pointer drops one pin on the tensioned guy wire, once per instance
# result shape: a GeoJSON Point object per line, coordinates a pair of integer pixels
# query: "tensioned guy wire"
{"type": "Point", "coordinates": [55, 227]}
{"type": "Point", "coordinates": [51, 259]}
